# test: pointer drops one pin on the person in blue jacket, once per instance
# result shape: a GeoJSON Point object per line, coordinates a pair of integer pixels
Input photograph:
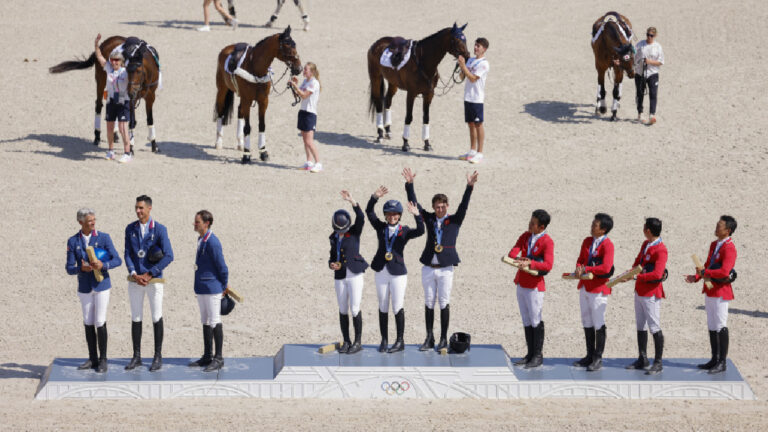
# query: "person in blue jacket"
{"type": "Point", "coordinates": [348, 267]}
{"type": "Point", "coordinates": [94, 296]}
{"type": "Point", "coordinates": [211, 282]}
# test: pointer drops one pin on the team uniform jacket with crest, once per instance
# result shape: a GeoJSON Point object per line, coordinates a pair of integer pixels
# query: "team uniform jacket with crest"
{"type": "Point", "coordinates": [542, 258]}
{"type": "Point", "coordinates": [600, 265]}
{"type": "Point", "coordinates": [654, 261]}
{"type": "Point", "coordinates": [350, 248]}
{"type": "Point", "coordinates": [451, 225]}
{"type": "Point", "coordinates": [396, 266]}
{"type": "Point", "coordinates": [211, 272]}
{"type": "Point", "coordinates": [76, 256]}
{"type": "Point", "coordinates": [156, 235]}
{"type": "Point", "coordinates": [720, 267]}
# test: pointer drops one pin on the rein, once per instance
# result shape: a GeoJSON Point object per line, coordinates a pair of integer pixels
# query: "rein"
{"type": "Point", "coordinates": [444, 86]}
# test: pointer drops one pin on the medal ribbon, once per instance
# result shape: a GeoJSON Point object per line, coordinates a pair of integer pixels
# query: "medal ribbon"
{"type": "Point", "coordinates": [717, 249]}
{"type": "Point", "coordinates": [653, 243]}
{"type": "Point", "coordinates": [532, 242]}
{"type": "Point", "coordinates": [593, 248]}
{"type": "Point", "coordinates": [389, 240]}
{"type": "Point", "coordinates": [338, 247]}
{"type": "Point", "coordinates": [202, 242]}
{"type": "Point", "coordinates": [438, 232]}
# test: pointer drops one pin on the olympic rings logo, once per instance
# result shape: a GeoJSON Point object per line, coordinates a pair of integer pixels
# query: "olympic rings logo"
{"type": "Point", "coordinates": [395, 388]}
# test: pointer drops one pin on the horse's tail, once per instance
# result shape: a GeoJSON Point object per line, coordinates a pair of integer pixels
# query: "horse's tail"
{"type": "Point", "coordinates": [74, 65]}
{"type": "Point", "coordinates": [372, 100]}
{"type": "Point", "coordinates": [225, 112]}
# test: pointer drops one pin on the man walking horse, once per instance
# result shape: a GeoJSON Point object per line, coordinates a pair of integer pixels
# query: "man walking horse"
{"type": "Point", "coordinates": [612, 45]}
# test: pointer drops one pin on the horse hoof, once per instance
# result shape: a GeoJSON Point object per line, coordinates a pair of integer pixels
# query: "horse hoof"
{"type": "Point", "coordinates": [387, 133]}
{"type": "Point", "coordinates": [246, 159]}
{"type": "Point", "coordinates": [96, 141]}
{"type": "Point", "coordinates": [603, 110]}
{"type": "Point", "coordinates": [406, 147]}
{"type": "Point", "coordinates": [264, 156]}
{"type": "Point", "coordinates": [154, 147]}
{"type": "Point", "coordinates": [427, 146]}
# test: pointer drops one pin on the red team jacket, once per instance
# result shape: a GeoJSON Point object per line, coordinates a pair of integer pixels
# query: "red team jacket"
{"type": "Point", "coordinates": [542, 259]}
{"type": "Point", "coordinates": [604, 258]}
{"type": "Point", "coordinates": [723, 264]}
{"type": "Point", "coordinates": [654, 261]}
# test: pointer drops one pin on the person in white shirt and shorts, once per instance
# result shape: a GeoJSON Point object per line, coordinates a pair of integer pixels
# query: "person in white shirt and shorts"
{"type": "Point", "coordinates": [648, 60]}
{"type": "Point", "coordinates": [475, 70]}
{"type": "Point", "coordinates": [118, 101]}
{"type": "Point", "coordinates": [309, 92]}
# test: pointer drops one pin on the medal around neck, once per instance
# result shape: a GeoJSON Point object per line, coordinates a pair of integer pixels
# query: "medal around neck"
{"type": "Point", "coordinates": [388, 256]}
{"type": "Point", "coordinates": [141, 253]}
{"type": "Point", "coordinates": [338, 263]}
{"type": "Point", "coordinates": [438, 248]}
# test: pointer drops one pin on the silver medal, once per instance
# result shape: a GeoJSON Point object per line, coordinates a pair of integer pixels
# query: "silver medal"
{"type": "Point", "coordinates": [141, 253]}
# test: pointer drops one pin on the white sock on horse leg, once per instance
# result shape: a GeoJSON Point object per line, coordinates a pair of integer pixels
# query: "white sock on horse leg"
{"type": "Point", "coordinates": [219, 127]}
{"type": "Point", "coordinates": [262, 141]}
{"type": "Point", "coordinates": [151, 136]}
{"type": "Point", "coordinates": [247, 143]}
{"type": "Point", "coordinates": [615, 105]}
{"type": "Point", "coordinates": [159, 80]}
{"type": "Point", "coordinates": [425, 132]}
{"type": "Point", "coordinates": [380, 120]}
{"type": "Point", "coordinates": [407, 131]}
{"type": "Point", "coordinates": [240, 126]}
{"type": "Point", "coordinates": [387, 117]}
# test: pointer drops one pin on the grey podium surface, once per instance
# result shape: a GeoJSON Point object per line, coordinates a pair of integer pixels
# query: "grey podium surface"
{"type": "Point", "coordinates": [299, 371]}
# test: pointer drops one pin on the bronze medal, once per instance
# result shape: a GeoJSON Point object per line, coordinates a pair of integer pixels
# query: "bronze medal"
{"type": "Point", "coordinates": [438, 248]}
{"type": "Point", "coordinates": [388, 256]}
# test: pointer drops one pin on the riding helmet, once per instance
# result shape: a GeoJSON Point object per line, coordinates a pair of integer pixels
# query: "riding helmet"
{"type": "Point", "coordinates": [460, 342]}
{"type": "Point", "coordinates": [341, 220]}
{"type": "Point", "coordinates": [393, 206]}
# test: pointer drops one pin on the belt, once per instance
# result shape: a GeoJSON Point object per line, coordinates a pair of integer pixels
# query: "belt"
{"type": "Point", "coordinates": [437, 266]}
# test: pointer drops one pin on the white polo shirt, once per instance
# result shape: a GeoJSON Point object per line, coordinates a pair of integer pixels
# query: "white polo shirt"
{"type": "Point", "coordinates": [475, 91]}
{"type": "Point", "coordinates": [648, 51]}
{"type": "Point", "coordinates": [117, 82]}
{"type": "Point", "coordinates": [310, 104]}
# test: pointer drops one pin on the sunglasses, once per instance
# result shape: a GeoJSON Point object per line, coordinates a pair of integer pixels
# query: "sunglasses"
{"type": "Point", "coordinates": [650, 35]}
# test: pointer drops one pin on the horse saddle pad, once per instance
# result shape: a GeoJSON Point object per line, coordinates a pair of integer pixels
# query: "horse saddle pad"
{"type": "Point", "coordinates": [397, 53]}
{"type": "Point", "coordinates": [236, 58]}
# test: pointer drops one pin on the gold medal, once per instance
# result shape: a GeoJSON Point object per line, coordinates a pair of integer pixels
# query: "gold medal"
{"type": "Point", "coordinates": [338, 264]}
{"type": "Point", "coordinates": [388, 256]}
{"type": "Point", "coordinates": [438, 248]}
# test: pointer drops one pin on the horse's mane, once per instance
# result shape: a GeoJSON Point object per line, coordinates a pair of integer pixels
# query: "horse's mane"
{"type": "Point", "coordinates": [435, 34]}
{"type": "Point", "coordinates": [263, 41]}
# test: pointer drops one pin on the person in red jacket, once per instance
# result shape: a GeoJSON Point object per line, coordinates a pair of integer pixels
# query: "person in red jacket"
{"type": "Point", "coordinates": [536, 251]}
{"type": "Point", "coordinates": [596, 257]}
{"type": "Point", "coordinates": [719, 271]}
{"type": "Point", "coordinates": [648, 294]}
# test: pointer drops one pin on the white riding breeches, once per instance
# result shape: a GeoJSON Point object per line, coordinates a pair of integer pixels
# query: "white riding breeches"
{"type": "Point", "coordinates": [593, 307]}
{"type": "Point", "coordinates": [390, 287]}
{"type": "Point", "coordinates": [349, 292]}
{"type": "Point", "coordinates": [717, 312]}
{"type": "Point", "coordinates": [648, 313]}
{"type": "Point", "coordinates": [531, 302]}
{"type": "Point", "coordinates": [437, 283]}
{"type": "Point", "coordinates": [154, 292]}
{"type": "Point", "coordinates": [94, 305]}
{"type": "Point", "coordinates": [210, 308]}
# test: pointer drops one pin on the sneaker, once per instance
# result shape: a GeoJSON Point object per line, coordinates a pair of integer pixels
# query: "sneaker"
{"type": "Point", "coordinates": [204, 29]}
{"type": "Point", "coordinates": [652, 120]}
{"type": "Point", "coordinates": [317, 168]}
{"type": "Point", "coordinates": [233, 23]}
{"type": "Point", "coordinates": [476, 159]}
{"type": "Point", "coordinates": [467, 155]}
{"type": "Point", "coordinates": [307, 166]}
{"type": "Point", "coordinates": [125, 158]}
{"type": "Point", "coordinates": [639, 117]}
{"type": "Point", "coordinates": [110, 155]}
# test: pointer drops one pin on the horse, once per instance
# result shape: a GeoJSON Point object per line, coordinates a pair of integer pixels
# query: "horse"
{"type": "Point", "coordinates": [612, 46]}
{"type": "Point", "coordinates": [418, 76]}
{"type": "Point", "coordinates": [252, 82]}
{"type": "Point", "coordinates": [143, 80]}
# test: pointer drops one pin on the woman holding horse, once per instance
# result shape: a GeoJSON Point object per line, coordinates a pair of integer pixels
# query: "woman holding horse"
{"type": "Point", "coordinates": [309, 92]}
{"type": "Point", "coordinates": [118, 104]}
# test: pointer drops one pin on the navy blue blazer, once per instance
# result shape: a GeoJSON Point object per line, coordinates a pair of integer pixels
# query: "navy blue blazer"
{"type": "Point", "coordinates": [451, 226]}
{"type": "Point", "coordinates": [157, 235]}
{"type": "Point", "coordinates": [396, 266]}
{"type": "Point", "coordinates": [350, 248]}
{"type": "Point", "coordinates": [211, 272]}
{"type": "Point", "coordinates": [76, 255]}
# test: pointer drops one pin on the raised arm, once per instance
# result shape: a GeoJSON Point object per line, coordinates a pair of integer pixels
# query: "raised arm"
{"type": "Point", "coordinates": [99, 57]}
{"type": "Point", "coordinates": [357, 227]}
{"type": "Point", "coordinates": [462, 210]}
{"type": "Point", "coordinates": [409, 190]}
{"type": "Point", "coordinates": [375, 222]}
{"type": "Point", "coordinates": [420, 230]}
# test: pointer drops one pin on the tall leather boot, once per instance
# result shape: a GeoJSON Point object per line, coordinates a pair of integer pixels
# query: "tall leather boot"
{"type": "Point", "coordinates": [205, 360]}
{"type": "Point", "coordinates": [93, 356]}
{"type": "Point", "coordinates": [157, 361]}
{"type": "Point", "coordinates": [429, 319]}
{"type": "Point", "coordinates": [383, 329]}
{"type": "Point", "coordinates": [528, 330]}
{"type": "Point", "coordinates": [101, 336]}
{"type": "Point", "coordinates": [597, 359]}
{"type": "Point", "coordinates": [136, 339]}
{"type": "Point", "coordinates": [445, 318]}
{"type": "Point", "coordinates": [722, 342]}
{"type": "Point", "coordinates": [399, 345]}
{"type": "Point", "coordinates": [218, 341]}
{"type": "Point", "coordinates": [357, 324]}
{"type": "Point", "coordinates": [589, 336]}
{"type": "Point", "coordinates": [538, 347]}
{"type": "Point", "coordinates": [642, 349]}
{"type": "Point", "coordinates": [658, 344]}
{"type": "Point", "coordinates": [344, 323]}
{"type": "Point", "coordinates": [715, 352]}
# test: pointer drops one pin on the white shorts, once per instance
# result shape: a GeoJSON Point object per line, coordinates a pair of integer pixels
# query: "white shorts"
{"type": "Point", "coordinates": [593, 307]}
{"type": "Point", "coordinates": [154, 292]}
{"type": "Point", "coordinates": [390, 287]}
{"type": "Point", "coordinates": [437, 283]}
{"type": "Point", "coordinates": [210, 308]}
{"type": "Point", "coordinates": [94, 305]}
{"type": "Point", "coordinates": [531, 302]}
{"type": "Point", "coordinates": [349, 292]}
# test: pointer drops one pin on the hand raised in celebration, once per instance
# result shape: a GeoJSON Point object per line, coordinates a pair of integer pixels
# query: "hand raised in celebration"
{"type": "Point", "coordinates": [381, 191]}
{"type": "Point", "coordinates": [96, 42]}
{"type": "Point", "coordinates": [347, 197]}
{"type": "Point", "coordinates": [409, 175]}
{"type": "Point", "coordinates": [472, 178]}
{"type": "Point", "coordinates": [413, 208]}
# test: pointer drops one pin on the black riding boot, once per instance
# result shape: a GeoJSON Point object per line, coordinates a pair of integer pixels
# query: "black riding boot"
{"type": "Point", "coordinates": [658, 344]}
{"type": "Point", "coordinates": [399, 345]}
{"type": "Point", "coordinates": [344, 323]}
{"type": "Point", "coordinates": [722, 342]}
{"type": "Point", "coordinates": [93, 356]}
{"type": "Point", "coordinates": [429, 319]}
{"type": "Point", "coordinates": [715, 354]}
{"type": "Point", "coordinates": [136, 339]}
{"type": "Point", "coordinates": [589, 336]}
{"type": "Point", "coordinates": [642, 349]}
{"type": "Point", "coordinates": [205, 360]}
{"type": "Point", "coordinates": [157, 361]}
{"type": "Point", "coordinates": [383, 329]}
{"type": "Point", "coordinates": [538, 347]}
{"type": "Point", "coordinates": [597, 359]}
{"type": "Point", "coordinates": [218, 342]}
{"type": "Point", "coordinates": [445, 318]}
{"type": "Point", "coordinates": [528, 330]}
{"type": "Point", "coordinates": [357, 324]}
{"type": "Point", "coordinates": [101, 336]}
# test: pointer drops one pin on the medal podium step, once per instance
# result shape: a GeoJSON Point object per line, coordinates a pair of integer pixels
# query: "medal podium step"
{"type": "Point", "coordinates": [299, 371]}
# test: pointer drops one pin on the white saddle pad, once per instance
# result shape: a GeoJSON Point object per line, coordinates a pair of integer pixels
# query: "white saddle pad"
{"type": "Point", "coordinates": [386, 58]}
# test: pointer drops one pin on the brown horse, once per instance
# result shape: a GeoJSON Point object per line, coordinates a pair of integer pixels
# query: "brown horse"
{"type": "Point", "coordinates": [612, 45]}
{"type": "Point", "coordinates": [418, 76]}
{"type": "Point", "coordinates": [251, 80]}
{"type": "Point", "coordinates": [143, 79]}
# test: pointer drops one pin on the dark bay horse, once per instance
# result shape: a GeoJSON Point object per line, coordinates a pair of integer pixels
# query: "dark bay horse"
{"type": "Point", "coordinates": [251, 81]}
{"type": "Point", "coordinates": [612, 45]}
{"type": "Point", "coordinates": [143, 80]}
{"type": "Point", "coordinates": [419, 76]}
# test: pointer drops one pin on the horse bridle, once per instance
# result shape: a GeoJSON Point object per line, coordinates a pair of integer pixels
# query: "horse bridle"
{"type": "Point", "coordinates": [143, 87]}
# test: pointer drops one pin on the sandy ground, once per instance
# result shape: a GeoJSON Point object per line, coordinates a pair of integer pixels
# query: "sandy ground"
{"type": "Point", "coordinates": [545, 149]}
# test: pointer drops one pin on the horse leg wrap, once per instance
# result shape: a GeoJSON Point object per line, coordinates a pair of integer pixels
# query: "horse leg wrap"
{"type": "Point", "coordinates": [407, 131]}
{"type": "Point", "coordinates": [247, 143]}
{"type": "Point", "coordinates": [151, 136]}
{"type": "Point", "coordinates": [97, 122]}
{"type": "Point", "coordinates": [425, 132]}
{"type": "Point", "coordinates": [131, 139]}
{"type": "Point", "coordinates": [219, 133]}
{"type": "Point", "coordinates": [379, 121]}
{"type": "Point", "coordinates": [240, 133]}
{"type": "Point", "coordinates": [387, 117]}
{"type": "Point", "coordinates": [160, 80]}
{"type": "Point", "coordinates": [615, 105]}
{"type": "Point", "coordinates": [262, 141]}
